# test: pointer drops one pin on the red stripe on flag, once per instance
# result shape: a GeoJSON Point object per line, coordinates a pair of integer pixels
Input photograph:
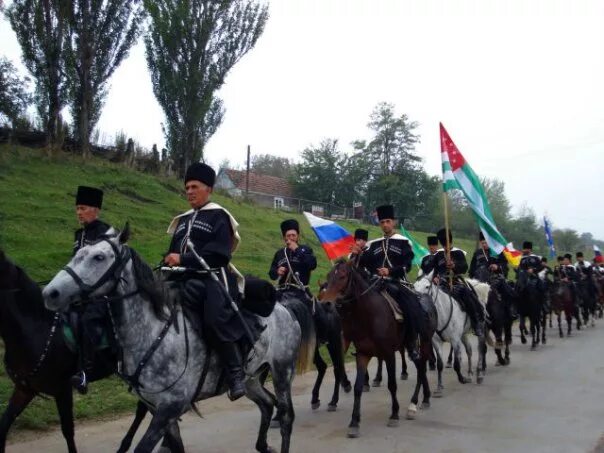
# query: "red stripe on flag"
{"type": "Point", "coordinates": [456, 159]}
{"type": "Point", "coordinates": [338, 248]}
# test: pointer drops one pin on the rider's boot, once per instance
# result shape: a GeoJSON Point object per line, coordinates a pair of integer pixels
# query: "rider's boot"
{"type": "Point", "coordinates": [232, 362]}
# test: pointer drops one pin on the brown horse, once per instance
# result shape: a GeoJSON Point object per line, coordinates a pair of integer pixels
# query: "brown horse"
{"type": "Point", "coordinates": [368, 322]}
{"type": "Point", "coordinates": [563, 302]}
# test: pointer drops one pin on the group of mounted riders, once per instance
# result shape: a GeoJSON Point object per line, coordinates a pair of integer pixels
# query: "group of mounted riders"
{"type": "Point", "coordinates": [208, 231]}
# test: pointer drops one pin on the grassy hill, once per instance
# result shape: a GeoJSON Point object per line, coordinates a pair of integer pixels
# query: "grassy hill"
{"type": "Point", "coordinates": [37, 220]}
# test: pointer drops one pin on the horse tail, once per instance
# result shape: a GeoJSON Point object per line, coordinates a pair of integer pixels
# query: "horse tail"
{"type": "Point", "coordinates": [302, 313]}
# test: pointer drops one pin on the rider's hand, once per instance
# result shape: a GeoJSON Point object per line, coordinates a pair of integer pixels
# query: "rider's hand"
{"type": "Point", "coordinates": [355, 249]}
{"type": "Point", "coordinates": [172, 259]}
{"type": "Point", "coordinates": [493, 267]}
{"type": "Point", "coordinates": [530, 270]}
{"type": "Point", "coordinates": [383, 272]}
{"type": "Point", "coordinates": [282, 270]}
{"type": "Point", "coordinates": [436, 280]}
{"type": "Point", "coordinates": [292, 245]}
{"type": "Point", "coordinates": [450, 264]}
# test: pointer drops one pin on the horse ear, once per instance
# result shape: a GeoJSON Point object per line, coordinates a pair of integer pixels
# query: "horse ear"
{"type": "Point", "coordinates": [125, 233]}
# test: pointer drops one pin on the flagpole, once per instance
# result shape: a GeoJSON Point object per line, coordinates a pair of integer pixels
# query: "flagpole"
{"type": "Point", "coordinates": [447, 229]}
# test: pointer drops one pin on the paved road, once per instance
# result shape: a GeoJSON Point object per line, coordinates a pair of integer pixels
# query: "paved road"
{"type": "Point", "coordinates": [550, 400]}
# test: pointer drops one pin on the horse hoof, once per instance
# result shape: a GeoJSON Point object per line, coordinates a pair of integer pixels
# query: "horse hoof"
{"type": "Point", "coordinates": [523, 340]}
{"type": "Point", "coordinates": [332, 408]}
{"type": "Point", "coordinates": [271, 450]}
{"type": "Point", "coordinates": [376, 383]}
{"type": "Point", "coordinates": [353, 432]}
{"type": "Point", "coordinates": [164, 450]}
{"type": "Point", "coordinates": [347, 387]}
{"type": "Point", "coordinates": [393, 423]}
{"type": "Point", "coordinates": [438, 393]}
{"type": "Point", "coordinates": [366, 388]}
{"type": "Point", "coordinates": [316, 405]}
{"type": "Point", "coordinates": [404, 376]}
{"type": "Point", "coordinates": [411, 412]}
{"type": "Point", "coordinates": [479, 379]}
{"type": "Point", "coordinates": [544, 341]}
{"type": "Point", "coordinates": [425, 405]}
{"type": "Point", "coordinates": [275, 424]}
{"type": "Point", "coordinates": [561, 335]}
{"type": "Point", "coordinates": [507, 361]}
{"type": "Point", "coordinates": [465, 380]}
{"type": "Point", "coordinates": [449, 365]}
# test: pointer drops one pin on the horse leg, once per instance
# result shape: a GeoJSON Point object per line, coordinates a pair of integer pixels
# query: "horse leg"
{"type": "Point", "coordinates": [559, 319]}
{"type": "Point", "coordinates": [391, 370]}
{"type": "Point", "coordinates": [456, 345]}
{"type": "Point", "coordinates": [437, 345]}
{"type": "Point", "coordinates": [366, 386]}
{"type": "Point", "coordinates": [341, 347]}
{"type": "Point", "coordinates": [543, 328]}
{"type": "Point", "coordinates": [139, 416]}
{"type": "Point", "coordinates": [18, 401]}
{"type": "Point", "coordinates": [315, 402]}
{"type": "Point", "coordinates": [163, 417]}
{"type": "Point", "coordinates": [258, 394]}
{"type": "Point", "coordinates": [481, 360]}
{"type": "Point", "coordinates": [338, 370]}
{"type": "Point", "coordinates": [450, 357]}
{"type": "Point", "coordinates": [533, 332]}
{"type": "Point", "coordinates": [172, 440]}
{"type": "Point", "coordinates": [427, 352]}
{"type": "Point", "coordinates": [377, 382]}
{"type": "Point", "coordinates": [468, 347]}
{"type": "Point", "coordinates": [404, 373]}
{"type": "Point", "coordinates": [282, 382]}
{"type": "Point", "coordinates": [354, 426]}
{"type": "Point", "coordinates": [508, 340]}
{"type": "Point", "coordinates": [64, 403]}
{"type": "Point", "coordinates": [522, 326]}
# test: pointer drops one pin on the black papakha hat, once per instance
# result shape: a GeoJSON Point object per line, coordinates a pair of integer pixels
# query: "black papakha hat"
{"type": "Point", "coordinates": [385, 211]}
{"type": "Point", "coordinates": [89, 196]}
{"type": "Point", "coordinates": [568, 256]}
{"type": "Point", "coordinates": [579, 254]}
{"type": "Point", "coordinates": [527, 245]}
{"type": "Point", "coordinates": [360, 233]}
{"type": "Point", "coordinates": [480, 236]}
{"type": "Point", "coordinates": [201, 172]}
{"type": "Point", "coordinates": [432, 240]}
{"type": "Point", "coordinates": [290, 224]}
{"type": "Point", "coordinates": [560, 258]}
{"type": "Point", "coordinates": [442, 238]}
{"type": "Point", "coordinates": [543, 259]}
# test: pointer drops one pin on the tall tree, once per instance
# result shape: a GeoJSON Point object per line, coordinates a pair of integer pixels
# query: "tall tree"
{"type": "Point", "coordinates": [267, 164]}
{"type": "Point", "coordinates": [40, 27]}
{"type": "Point", "coordinates": [191, 47]}
{"type": "Point", "coordinates": [14, 96]}
{"type": "Point", "coordinates": [567, 240]}
{"type": "Point", "coordinates": [100, 34]}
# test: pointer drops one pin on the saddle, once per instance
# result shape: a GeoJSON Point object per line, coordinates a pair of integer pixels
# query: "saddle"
{"type": "Point", "coordinates": [96, 329]}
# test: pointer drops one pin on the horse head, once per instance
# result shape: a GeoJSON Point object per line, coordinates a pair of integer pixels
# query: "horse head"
{"type": "Point", "coordinates": [94, 271]}
{"type": "Point", "coordinates": [338, 285]}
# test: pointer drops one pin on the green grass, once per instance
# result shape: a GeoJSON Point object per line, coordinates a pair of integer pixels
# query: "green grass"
{"type": "Point", "coordinates": [37, 220]}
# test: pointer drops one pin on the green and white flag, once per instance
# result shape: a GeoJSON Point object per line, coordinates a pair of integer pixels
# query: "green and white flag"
{"type": "Point", "coordinates": [418, 250]}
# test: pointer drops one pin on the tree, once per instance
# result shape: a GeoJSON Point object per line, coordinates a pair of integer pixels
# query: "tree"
{"type": "Point", "coordinates": [191, 47]}
{"type": "Point", "coordinates": [40, 27]}
{"type": "Point", "coordinates": [99, 36]}
{"type": "Point", "coordinates": [317, 177]}
{"type": "Point", "coordinates": [267, 164]}
{"type": "Point", "coordinates": [14, 96]}
{"type": "Point", "coordinates": [566, 240]}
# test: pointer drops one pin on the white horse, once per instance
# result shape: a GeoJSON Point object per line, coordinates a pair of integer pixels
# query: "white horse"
{"type": "Point", "coordinates": [167, 361]}
{"type": "Point", "coordinates": [454, 326]}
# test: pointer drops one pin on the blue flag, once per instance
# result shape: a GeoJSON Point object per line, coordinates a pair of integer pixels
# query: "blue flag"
{"type": "Point", "coordinates": [549, 238]}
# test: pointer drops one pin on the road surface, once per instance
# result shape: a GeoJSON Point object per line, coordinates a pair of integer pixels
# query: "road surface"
{"type": "Point", "coordinates": [549, 400]}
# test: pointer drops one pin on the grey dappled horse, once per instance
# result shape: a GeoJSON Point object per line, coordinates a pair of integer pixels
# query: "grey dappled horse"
{"type": "Point", "coordinates": [454, 326]}
{"type": "Point", "coordinates": [182, 369]}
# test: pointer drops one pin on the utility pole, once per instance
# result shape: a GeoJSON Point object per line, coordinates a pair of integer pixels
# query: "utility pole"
{"type": "Point", "coordinates": [247, 174]}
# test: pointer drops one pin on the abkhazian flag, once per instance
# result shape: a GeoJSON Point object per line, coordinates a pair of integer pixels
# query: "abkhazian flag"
{"type": "Point", "coordinates": [457, 174]}
{"type": "Point", "coordinates": [419, 251]}
{"type": "Point", "coordinates": [334, 239]}
{"type": "Point", "coordinates": [549, 238]}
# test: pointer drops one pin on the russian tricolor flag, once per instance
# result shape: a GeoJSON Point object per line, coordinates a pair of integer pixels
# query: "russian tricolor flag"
{"type": "Point", "coordinates": [334, 239]}
{"type": "Point", "coordinates": [597, 250]}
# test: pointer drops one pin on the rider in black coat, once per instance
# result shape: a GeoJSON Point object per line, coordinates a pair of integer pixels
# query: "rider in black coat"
{"type": "Point", "coordinates": [90, 318]}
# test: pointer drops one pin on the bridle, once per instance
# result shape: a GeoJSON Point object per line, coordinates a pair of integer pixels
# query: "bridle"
{"type": "Point", "coordinates": [113, 273]}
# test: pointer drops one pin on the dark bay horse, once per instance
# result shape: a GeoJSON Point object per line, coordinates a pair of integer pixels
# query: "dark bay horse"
{"type": "Point", "coordinates": [563, 302]}
{"type": "Point", "coordinates": [369, 323]}
{"type": "Point", "coordinates": [531, 296]}
{"type": "Point", "coordinates": [37, 358]}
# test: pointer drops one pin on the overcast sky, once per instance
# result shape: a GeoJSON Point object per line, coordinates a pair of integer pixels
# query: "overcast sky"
{"type": "Point", "coordinates": [518, 84]}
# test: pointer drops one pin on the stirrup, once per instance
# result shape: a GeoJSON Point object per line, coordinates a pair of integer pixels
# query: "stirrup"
{"type": "Point", "coordinates": [79, 382]}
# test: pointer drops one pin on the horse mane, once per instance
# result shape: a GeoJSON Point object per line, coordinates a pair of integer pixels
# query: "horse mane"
{"type": "Point", "coordinates": [482, 290]}
{"type": "Point", "coordinates": [149, 285]}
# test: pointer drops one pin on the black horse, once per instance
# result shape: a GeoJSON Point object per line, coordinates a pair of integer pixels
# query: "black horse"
{"type": "Point", "coordinates": [37, 357]}
{"type": "Point", "coordinates": [531, 292]}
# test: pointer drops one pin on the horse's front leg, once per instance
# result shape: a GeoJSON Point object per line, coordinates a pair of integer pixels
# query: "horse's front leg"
{"type": "Point", "coordinates": [141, 412]}
{"type": "Point", "coordinates": [163, 417]}
{"type": "Point", "coordinates": [321, 367]}
{"type": "Point", "coordinates": [64, 402]}
{"type": "Point", "coordinates": [404, 373]}
{"type": "Point", "coordinates": [468, 347]}
{"type": "Point", "coordinates": [355, 423]}
{"type": "Point", "coordinates": [438, 348]}
{"type": "Point", "coordinates": [18, 401]}
{"type": "Point", "coordinates": [393, 421]}
{"type": "Point", "coordinates": [377, 381]}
